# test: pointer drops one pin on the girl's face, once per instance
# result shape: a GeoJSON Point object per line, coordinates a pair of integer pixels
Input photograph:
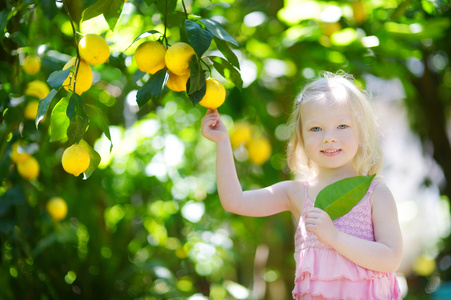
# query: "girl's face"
{"type": "Point", "coordinates": [330, 134]}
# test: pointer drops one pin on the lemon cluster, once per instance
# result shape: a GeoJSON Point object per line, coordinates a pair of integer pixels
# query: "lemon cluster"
{"type": "Point", "coordinates": [93, 50]}
{"type": "Point", "coordinates": [27, 165]}
{"type": "Point", "coordinates": [257, 145]}
{"type": "Point", "coordinates": [152, 57]}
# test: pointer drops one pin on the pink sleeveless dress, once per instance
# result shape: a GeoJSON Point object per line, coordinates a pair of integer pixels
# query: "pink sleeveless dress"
{"type": "Point", "coordinates": [323, 273]}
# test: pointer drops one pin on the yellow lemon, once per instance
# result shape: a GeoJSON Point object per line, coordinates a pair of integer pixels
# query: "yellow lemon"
{"type": "Point", "coordinates": [82, 80]}
{"type": "Point", "coordinates": [177, 83]}
{"type": "Point", "coordinates": [330, 28]}
{"type": "Point", "coordinates": [214, 95]}
{"type": "Point", "coordinates": [28, 169]}
{"type": "Point", "coordinates": [241, 133]}
{"type": "Point", "coordinates": [31, 64]}
{"type": "Point", "coordinates": [93, 49]}
{"type": "Point", "coordinates": [31, 110]}
{"type": "Point", "coordinates": [358, 11]}
{"type": "Point", "coordinates": [37, 88]}
{"type": "Point", "coordinates": [17, 154]}
{"type": "Point", "coordinates": [75, 160]}
{"type": "Point", "coordinates": [424, 266]}
{"type": "Point", "coordinates": [56, 208]}
{"type": "Point", "coordinates": [259, 150]}
{"type": "Point", "coordinates": [149, 57]}
{"type": "Point", "coordinates": [178, 57]}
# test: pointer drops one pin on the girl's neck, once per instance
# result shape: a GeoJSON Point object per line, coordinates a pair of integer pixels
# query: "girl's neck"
{"type": "Point", "coordinates": [324, 178]}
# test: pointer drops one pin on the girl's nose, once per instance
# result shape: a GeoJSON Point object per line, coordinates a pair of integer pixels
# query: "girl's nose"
{"type": "Point", "coordinates": [328, 138]}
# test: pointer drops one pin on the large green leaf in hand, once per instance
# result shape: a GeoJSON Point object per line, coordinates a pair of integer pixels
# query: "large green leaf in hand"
{"type": "Point", "coordinates": [338, 198]}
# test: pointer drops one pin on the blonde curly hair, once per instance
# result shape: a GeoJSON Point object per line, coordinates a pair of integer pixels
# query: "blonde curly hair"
{"type": "Point", "coordinates": [368, 159]}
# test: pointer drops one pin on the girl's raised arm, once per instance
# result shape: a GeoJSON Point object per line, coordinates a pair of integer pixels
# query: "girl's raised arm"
{"type": "Point", "coordinates": [261, 202]}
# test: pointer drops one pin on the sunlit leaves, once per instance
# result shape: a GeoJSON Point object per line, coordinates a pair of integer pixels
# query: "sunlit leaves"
{"type": "Point", "coordinates": [59, 122]}
{"type": "Point", "coordinates": [198, 37]}
{"type": "Point", "coordinates": [196, 85]}
{"type": "Point", "coordinates": [218, 31]}
{"type": "Point", "coordinates": [224, 48]}
{"type": "Point", "coordinates": [94, 159]}
{"type": "Point", "coordinates": [44, 106]}
{"type": "Point", "coordinates": [56, 79]}
{"type": "Point", "coordinates": [76, 112]}
{"type": "Point", "coordinates": [227, 70]}
{"type": "Point", "coordinates": [99, 117]}
{"type": "Point", "coordinates": [111, 10]}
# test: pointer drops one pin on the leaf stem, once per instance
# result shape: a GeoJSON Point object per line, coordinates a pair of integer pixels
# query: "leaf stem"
{"type": "Point", "coordinates": [165, 39]}
{"type": "Point", "coordinates": [78, 60]}
{"type": "Point", "coordinates": [184, 9]}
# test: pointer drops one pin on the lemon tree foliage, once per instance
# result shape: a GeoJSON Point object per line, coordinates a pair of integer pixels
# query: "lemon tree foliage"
{"type": "Point", "coordinates": [147, 222]}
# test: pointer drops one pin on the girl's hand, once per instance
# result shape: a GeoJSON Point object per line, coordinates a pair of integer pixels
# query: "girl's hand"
{"type": "Point", "coordinates": [213, 128]}
{"type": "Point", "coordinates": [319, 222]}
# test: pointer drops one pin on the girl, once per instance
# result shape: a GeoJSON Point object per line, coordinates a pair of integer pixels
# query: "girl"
{"type": "Point", "coordinates": [334, 136]}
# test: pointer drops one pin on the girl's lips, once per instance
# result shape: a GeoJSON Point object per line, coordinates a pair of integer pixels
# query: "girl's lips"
{"type": "Point", "coordinates": [331, 152]}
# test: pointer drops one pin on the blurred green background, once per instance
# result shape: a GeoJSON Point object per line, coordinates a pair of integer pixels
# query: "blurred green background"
{"type": "Point", "coordinates": [147, 223]}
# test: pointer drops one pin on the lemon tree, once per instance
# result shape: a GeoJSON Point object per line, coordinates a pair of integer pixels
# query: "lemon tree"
{"type": "Point", "coordinates": [93, 49]}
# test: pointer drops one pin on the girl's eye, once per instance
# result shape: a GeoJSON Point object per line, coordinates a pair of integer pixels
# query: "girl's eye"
{"type": "Point", "coordinates": [315, 129]}
{"type": "Point", "coordinates": [342, 126]}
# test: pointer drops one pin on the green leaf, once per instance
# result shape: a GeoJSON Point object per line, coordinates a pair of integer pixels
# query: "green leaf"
{"type": "Point", "coordinates": [111, 10]}
{"type": "Point", "coordinates": [78, 119]}
{"type": "Point", "coordinates": [56, 79]}
{"type": "Point", "coordinates": [197, 76]}
{"type": "Point", "coordinates": [43, 106]}
{"type": "Point", "coordinates": [218, 31]}
{"type": "Point", "coordinates": [400, 10]}
{"type": "Point", "coordinates": [226, 69]}
{"type": "Point", "coordinates": [143, 35]}
{"type": "Point", "coordinates": [59, 122]}
{"type": "Point", "coordinates": [152, 88]}
{"type": "Point", "coordinates": [338, 198]}
{"type": "Point", "coordinates": [5, 161]}
{"type": "Point", "coordinates": [97, 114]}
{"type": "Point", "coordinates": [199, 38]}
{"type": "Point", "coordinates": [197, 96]}
{"type": "Point", "coordinates": [138, 75]}
{"type": "Point", "coordinates": [227, 52]}
{"type": "Point", "coordinates": [49, 8]}
{"type": "Point", "coordinates": [162, 8]}
{"type": "Point", "coordinates": [94, 159]}
{"type": "Point", "coordinates": [14, 195]}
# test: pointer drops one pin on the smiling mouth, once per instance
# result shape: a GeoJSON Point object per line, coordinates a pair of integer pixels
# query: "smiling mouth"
{"type": "Point", "coordinates": [331, 151]}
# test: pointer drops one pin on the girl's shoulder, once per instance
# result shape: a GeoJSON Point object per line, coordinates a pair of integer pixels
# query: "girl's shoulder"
{"type": "Point", "coordinates": [381, 194]}
{"type": "Point", "coordinates": [295, 191]}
